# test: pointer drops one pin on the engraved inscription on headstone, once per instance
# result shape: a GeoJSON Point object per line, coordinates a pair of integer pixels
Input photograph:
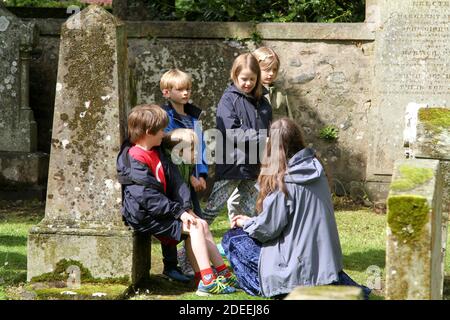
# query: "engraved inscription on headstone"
{"type": "Point", "coordinates": [412, 58]}
{"type": "Point", "coordinates": [417, 45]}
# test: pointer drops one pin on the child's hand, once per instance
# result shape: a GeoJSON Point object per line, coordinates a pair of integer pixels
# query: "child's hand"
{"type": "Point", "coordinates": [238, 221]}
{"type": "Point", "coordinates": [197, 184]}
{"type": "Point", "coordinates": [192, 213]}
{"type": "Point", "coordinates": [203, 183]}
{"type": "Point", "coordinates": [188, 219]}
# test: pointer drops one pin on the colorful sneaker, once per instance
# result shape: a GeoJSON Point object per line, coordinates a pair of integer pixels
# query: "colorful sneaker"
{"type": "Point", "coordinates": [230, 280]}
{"type": "Point", "coordinates": [215, 287]}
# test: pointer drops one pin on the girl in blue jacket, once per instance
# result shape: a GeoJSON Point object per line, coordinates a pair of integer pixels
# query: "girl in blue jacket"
{"type": "Point", "coordinates": [293, 241]}
{"type": "Point", "coordinates": [243, 117]}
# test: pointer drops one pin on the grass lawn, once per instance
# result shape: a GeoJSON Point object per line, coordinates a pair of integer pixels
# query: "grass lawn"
{"type": "Point", "coordinates": [362, 234]}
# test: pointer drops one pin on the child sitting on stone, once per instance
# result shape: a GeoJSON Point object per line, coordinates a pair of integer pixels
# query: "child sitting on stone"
{"type": "Point", "coordinates": [156, 199]}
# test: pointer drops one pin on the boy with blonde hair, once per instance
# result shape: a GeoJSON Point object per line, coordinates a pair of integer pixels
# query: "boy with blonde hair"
{"type": "Point", "coordinates": [176, 88]}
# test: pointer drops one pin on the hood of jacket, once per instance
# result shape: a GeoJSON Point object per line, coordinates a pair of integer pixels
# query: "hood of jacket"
{"type": "Point", "coordinates": [139, 174]}
{"type": "Point", "coordinates": [303, 168]}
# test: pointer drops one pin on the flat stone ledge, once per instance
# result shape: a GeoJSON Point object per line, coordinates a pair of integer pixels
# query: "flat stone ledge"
{"type": "Point", "coordinates": [326, 293]}
{"type": "Point", "coordinates": [224, 30]}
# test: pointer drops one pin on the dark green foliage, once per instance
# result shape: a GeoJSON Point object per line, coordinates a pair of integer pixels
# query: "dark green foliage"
{"type": "Point", "coordinates": [242, 10]}
{"type": "Point", "coordinates": [44, 3]}
{"type": "Point", "coordinates": [272, 11]}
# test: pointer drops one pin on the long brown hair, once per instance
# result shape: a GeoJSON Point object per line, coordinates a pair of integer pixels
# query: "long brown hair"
{"type": "Point", "coordinates": [285, 140]}
{"type": "Point", "coordinates": [244, 61]}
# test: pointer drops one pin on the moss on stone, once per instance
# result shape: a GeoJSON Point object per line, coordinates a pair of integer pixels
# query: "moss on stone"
{"type": "Point", "coordinates": [411, 177]}
{"type": "Point", "coordinates": [60, 274]}
{"type": "Point", "coordinates": [90, 74]}
{"type": "Point", "coordinates": [407, 216]}
{"type": "Point", "coordinates": [435, 119]}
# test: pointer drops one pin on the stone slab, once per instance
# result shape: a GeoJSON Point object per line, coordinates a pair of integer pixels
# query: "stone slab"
{"type": "Point", "coordinates": [326, 293]}
{"type": "Point", "coordinates": [414, 226]}
{"type": "Point", "coordinates": [411, 66]}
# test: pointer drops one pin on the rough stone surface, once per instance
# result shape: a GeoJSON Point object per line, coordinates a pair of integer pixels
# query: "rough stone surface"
{"type": "Point", "coordinates": [414, 239]}
{"type": "Point", "coordinates": [23, 175]}
{"type": "Point", "coordinates": [82, 215]}
{"type": "Point", "coordinates": [326, 293]}
{"type": "Point", "coordinates": [411, 66]}
{"type": "Point", "coordinates": [342, 58]}
{"type": "Point", "coordinates": [432, 141]}
{"type": "Point", "coordinates": [17, 125]}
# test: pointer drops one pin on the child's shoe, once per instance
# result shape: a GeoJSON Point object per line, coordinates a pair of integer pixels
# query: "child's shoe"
{"type": "Point", "coordinates": [176, 274]}
{"type": "Point", "coordinates": [229, 279]}
{"type": "Point", "coordinates": [216, 286]}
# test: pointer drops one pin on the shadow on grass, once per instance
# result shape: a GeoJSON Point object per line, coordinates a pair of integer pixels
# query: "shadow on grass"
{"type": "Point", "coordinates": [13, 241]}
{"type": "Point", "coordinates": [162, 288]}
{"type": "Point", "coordinates": [360, 261]}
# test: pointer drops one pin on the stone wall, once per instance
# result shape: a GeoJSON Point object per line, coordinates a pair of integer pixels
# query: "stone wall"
{"type": "Point", "coordinates": [327, 72]}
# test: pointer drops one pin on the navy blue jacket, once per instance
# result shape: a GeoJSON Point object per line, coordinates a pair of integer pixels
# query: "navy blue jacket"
{"type": "Point", "coordinates": [238, 111]}
{"type": "Point", "coordinates": [201, 169]}
{"type": "Point", "coordinates": [144, 204]}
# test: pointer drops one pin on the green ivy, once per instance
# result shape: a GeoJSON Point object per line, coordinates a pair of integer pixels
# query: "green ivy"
{"type": "Point", "coordinates": [271, 11]}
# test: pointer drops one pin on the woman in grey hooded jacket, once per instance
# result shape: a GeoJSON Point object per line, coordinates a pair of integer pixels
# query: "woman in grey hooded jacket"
{"type": "Point", "coordinates": [294, 240]}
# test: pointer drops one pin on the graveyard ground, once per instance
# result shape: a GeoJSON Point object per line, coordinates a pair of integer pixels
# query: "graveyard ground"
{"type": "Point", "coordinates": [362, 233]}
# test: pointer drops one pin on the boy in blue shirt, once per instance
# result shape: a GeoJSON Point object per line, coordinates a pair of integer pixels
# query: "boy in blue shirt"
{"type": "Point", "coordinates": [176, 87]}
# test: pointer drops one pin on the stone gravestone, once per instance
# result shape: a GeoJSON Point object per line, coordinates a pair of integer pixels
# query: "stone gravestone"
{"type": "Point", "coordinates": [20, 164]}
{"type": "Point", "coordinates": [427, 136]}
{"type": "Point", "coordinates": [411, 66]}
{"type": "Point", "coordinates": [414, 226]}
{"type": "Point", "coordinates": [82, 216]}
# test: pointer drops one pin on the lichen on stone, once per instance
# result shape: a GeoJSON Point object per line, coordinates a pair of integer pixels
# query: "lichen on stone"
{"type": "Point", "coordinates": [435, 119]}
{"type": "Point", "coordinates": [411, 177]}
{"type": "Point", "coordinates": [407, 216]}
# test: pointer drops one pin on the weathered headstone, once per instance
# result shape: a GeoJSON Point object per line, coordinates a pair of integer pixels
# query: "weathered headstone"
{"type": "Point", "coordinates": [82, 215]}
{"type": "Point", "coordinates": [18, 130]}
{"type": "Point", "coordinates": [414, 226]}
{"type": "Point", "coordinates": [411, 66]}
{"type": "Point", "coordinates": [427, 136]}
{"type": "Point", "coordinates": [326, 293]}
{"type": "Point", "coordinates": [22, 169]}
